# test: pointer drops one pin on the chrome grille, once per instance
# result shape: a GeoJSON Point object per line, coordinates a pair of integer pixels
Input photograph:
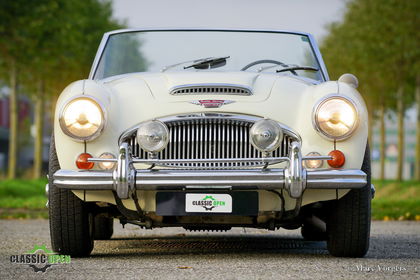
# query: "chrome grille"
{"type": "Point", "coordinates": [209, 139]}
{"type": "Point", "coordinates": [211, 89]}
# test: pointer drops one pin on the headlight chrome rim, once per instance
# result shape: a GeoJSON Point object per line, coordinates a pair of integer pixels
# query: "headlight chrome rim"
{"type": "Point", "coordinates": [162, 145]}
{"type": "Point", "coordinates": [100, 128]}
{"type": "Point", "coordinates": [316, 124]}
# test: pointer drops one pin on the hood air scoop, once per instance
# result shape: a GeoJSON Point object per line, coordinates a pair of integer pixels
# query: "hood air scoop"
{"type": "Point", "coordinates": [217, 89]}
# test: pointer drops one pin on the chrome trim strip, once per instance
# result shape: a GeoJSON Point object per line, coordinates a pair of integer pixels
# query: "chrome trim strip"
{"type": "Point", "coordinates": [269, 160]}
{"type": "Point", "coordinates": [312, 43]}
{"type": "Point", "coordinates": [318, 57]}
{"type": "Point", "coordinates": [317, 158]}
{"type": "Point", "coordinates": [238, 179]}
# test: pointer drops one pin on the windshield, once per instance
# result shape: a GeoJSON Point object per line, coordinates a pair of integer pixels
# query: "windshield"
{"type": "Point", "coordinates": [178, 50]}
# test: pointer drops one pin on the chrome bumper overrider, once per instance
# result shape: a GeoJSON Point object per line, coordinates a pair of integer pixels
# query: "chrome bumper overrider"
{"type": "Point", "coordinates": [294, 178]}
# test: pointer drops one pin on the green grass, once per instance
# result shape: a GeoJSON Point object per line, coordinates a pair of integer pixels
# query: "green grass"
{"type": "Point", "coordinates": [396, 200]}
{"type": "Point", "coordinates": [22, 198]}
{"type": "Point", "coordinates": [22, 188]}
{"type": "Point", "coordinates": [393, 200]}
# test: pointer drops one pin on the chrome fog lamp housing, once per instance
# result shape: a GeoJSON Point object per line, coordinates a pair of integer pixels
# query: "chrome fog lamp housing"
{"type": "Point", "coordinates": [153, 136]}
{"type": "Point", "coordinates": [335, 117]}
{"type": "Point", "coordinates": [82, 118]}
{"type": "Point", "coordinates": [266, 135]}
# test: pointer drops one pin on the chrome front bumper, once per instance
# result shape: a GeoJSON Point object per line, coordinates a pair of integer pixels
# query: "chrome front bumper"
{"type": "Point", "coordinates": [294, 178]}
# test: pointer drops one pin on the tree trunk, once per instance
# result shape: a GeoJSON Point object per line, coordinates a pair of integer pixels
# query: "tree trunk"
{"type": "Point", "coordinates": [13, 126]}
{"type": "Point", "coordinates": [417, 171]}
{"type": "Point", "coordinates": [39, 129]}
{"type": "Point", "coordinates": [382, 141]}
{"type": "Point", "coordinates": [400, 115]}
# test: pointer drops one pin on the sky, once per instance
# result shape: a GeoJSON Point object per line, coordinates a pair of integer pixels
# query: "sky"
{"type": "Point", "coordinates": [296, 15]}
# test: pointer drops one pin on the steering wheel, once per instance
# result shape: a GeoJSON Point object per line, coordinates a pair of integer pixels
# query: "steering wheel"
{"type": "Point", "coordinates": [246, 67]}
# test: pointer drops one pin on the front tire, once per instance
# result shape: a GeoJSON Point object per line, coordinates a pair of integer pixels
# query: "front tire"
{"type": "Point", "coordinates": [348, 225]}
{"type": "Point", "coordinates": [71, 222]}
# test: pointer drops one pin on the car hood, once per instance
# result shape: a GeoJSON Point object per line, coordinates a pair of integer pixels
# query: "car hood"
{"type": "Point", "coordinates": [160, 85]}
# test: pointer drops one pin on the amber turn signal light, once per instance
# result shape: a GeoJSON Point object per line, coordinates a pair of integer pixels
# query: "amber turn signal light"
{"type": "Point", "coordinates": [338, 159]}
{"type": "Point", "coordinates": [83, 163]}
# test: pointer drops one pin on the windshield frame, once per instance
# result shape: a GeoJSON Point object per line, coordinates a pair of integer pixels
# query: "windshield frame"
{"type": "Point", "coordinates": [106, 36]}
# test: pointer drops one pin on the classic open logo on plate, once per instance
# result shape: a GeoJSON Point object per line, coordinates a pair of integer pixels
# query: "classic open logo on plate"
{"type": "Point", "coordinates": [208, 203]}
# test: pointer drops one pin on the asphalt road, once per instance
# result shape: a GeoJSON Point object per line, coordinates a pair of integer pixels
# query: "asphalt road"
{"type": "Point", "coordinates": [238, 254]}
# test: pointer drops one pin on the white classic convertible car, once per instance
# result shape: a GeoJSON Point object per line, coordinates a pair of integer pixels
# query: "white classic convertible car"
{"type": "Point", "coordinates": [209, 130]}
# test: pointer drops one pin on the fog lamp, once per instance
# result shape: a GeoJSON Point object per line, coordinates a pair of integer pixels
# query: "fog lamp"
{"type": "Point", "coordinates": [153, 136]}
{"type": "Point", "coordinates": [266, 135]}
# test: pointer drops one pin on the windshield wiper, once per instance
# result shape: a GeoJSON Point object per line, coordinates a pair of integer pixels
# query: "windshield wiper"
{"type": "Point", "coordinates": [294, 68]}
{"type": "Point", "coordinates": [202, 63]}
{"type": "Point", "coordinates": [208, 63]}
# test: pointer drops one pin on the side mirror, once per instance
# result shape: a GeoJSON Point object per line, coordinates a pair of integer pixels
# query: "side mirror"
{"type": "Point", "coordinates": [349, 79]}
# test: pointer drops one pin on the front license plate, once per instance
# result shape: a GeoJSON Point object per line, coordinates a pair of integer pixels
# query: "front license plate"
{"type": "Point", "coordinates": [240, 203]}
{"type": "Point", "coordinates": [208, 203]}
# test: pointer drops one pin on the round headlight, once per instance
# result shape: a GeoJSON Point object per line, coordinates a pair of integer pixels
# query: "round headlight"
{"type": "Point", "coordinates": [266, 135]}
{"type": "Point", "coordinates": [335, 117]}
{"type": "Point", "coordinates": [82, 118]}
{"type": "Point", "coordinates": [152, 136]}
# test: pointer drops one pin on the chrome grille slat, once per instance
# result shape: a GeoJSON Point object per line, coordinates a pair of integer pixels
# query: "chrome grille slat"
{"type": "Point", "coordinates": [201, 140]}
{"type": "Point", "coordinates": [219, 140]}
{"type": "Point", "coordinates": [210, 139]}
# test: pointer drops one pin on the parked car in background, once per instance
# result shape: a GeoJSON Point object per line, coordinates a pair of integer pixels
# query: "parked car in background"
{"type": "Point", "coordinates": [209, 130]}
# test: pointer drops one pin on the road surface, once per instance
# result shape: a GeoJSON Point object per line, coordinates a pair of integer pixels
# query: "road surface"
{"type": "Point", "coordinates": [237, 254]}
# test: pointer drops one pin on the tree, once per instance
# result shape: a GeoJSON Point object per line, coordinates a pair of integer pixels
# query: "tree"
{"type": "Point", "coordinates": [380, 42]}
{"type": "Point", "coordinates": [46, 44]}
{"type": "Point", "coordinates": [60, 49]}
{"type": "Point", "coordinates": [15, 16]}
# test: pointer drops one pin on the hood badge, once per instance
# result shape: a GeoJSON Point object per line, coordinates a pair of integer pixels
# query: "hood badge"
{"type": "Point", "coordinates": [211, 103]}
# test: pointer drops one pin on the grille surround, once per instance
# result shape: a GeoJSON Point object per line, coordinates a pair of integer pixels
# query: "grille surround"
{"type": "Point", "coordinates": [209, 136]}
{"type": "Point", "coordinates": [213, 89]}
